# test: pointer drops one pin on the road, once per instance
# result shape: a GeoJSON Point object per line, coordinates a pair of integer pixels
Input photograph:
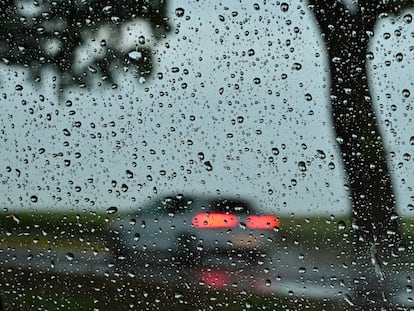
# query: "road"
{"type": "Point", "coordinates": [313, 274]}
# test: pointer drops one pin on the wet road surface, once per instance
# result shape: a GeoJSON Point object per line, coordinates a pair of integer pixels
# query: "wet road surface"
{"type": "Point", "coordinates": [312, 274]}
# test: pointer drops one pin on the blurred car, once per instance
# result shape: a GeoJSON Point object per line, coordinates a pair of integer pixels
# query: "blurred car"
{"type": "Point", "coordinates": [186, 229]}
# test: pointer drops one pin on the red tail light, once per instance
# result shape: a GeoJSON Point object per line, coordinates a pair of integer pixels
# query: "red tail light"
{"type": "Point", "coordinates": [214, 220]}
{"type": "Point", "coordinates": [262, 222]}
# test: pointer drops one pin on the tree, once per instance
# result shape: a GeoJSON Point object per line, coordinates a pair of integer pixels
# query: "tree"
{"type": "Point", "coordinates": [377, 237]}
{"type": "Point", "coordinates": [50, 33]}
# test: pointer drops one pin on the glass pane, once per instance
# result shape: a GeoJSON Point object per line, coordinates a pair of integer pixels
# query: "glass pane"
{"type": "Point", "coordinates": [202, 155]}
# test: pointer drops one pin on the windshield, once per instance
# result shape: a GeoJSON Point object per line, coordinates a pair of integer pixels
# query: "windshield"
{"type": "Point", "coordinates": [203, 155]}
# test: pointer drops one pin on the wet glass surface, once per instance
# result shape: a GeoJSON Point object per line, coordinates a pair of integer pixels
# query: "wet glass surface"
{"type": "Point", "coordinates": [206, 156]}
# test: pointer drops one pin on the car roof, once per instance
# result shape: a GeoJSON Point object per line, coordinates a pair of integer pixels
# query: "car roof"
{"type": "Point", "coordinates": [180, 202]}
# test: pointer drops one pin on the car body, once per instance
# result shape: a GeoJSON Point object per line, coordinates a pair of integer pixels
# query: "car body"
{"type": "Point", "coordinates": [186, 228]}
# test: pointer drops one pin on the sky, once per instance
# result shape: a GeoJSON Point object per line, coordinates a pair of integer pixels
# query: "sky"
{"type": "Point", "coordinates": [237, 105]}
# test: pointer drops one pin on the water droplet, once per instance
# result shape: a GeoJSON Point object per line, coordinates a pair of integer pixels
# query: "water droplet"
{"type": "Point", "coordinates": [268, 283]}
{"type": "Point", "coordinates": [348, 300]}
{"type": "Point", "coordinates": [107, 9]}
{"type": "Point", "coordinates": [407, 156]}
{"type": "Point", "coordinates": [92, 69]}
{"type": "Point", "coordinates": [201, 156]}
{"type": "Point", "coordinates": [297, 66]}
{"type": "Point", "coordinates": [284, 7]}
{"type": "Point", "coordinates": [340, 140]}
{"type": "Point", "coordinates": [70, 256]}
{"type": "Point", "coordinates": [399, 57]}
{"type": "Point", "coordinates": [341, 225]}
{"type": "Point", "coordinates": [135, 55]}
{"type": "Point", "coordinates": [15, 218]}
{"type": "Point", "coordinates": [256, 80]}
{"type": "Point", "coordinates": [412, 140]}
{"type": "Point", "coordinates": [302, 270]}
{"type": "Point", "coordinates": [33, 198]}
{"type": "Point", "coordinates": [331, 165]}
{"type": "Point", "coordinates": [129, 174]}
{"type": "Point", "coordinates": [208, 166]}
{"type": "Point", "coordinates": [179, 12]}
{"type": "Point", "coordinates": [408, 18]}
{"type": "Point", "coordinates": [178, 295]}
{"type": "Point", "coordinates": [406, 93]}
{"type": "Point", "coordinates": [308, 97]}
{"type": "Point", "coordinates": [137, 236]}
{"type": "Point", "coordinates": [376, 263]}
{"type": "Point", "coordinates": [112, 210]}
{"type": "Point", "coordinates": [302, 166]}
{"type": "Point", "coordinates": [275, 151]}
{"type": "Point", "coordinates": [18, 87]}
{"type": "Point", "coordinates": [321, 154]}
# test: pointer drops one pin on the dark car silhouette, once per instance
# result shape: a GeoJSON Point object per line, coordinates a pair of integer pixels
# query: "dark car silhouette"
{"type": "Point", "coordinates": [184, 229]}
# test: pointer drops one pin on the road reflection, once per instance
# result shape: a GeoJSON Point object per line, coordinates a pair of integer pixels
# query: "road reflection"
{"type": "Point", "coordinates": [284, 274]}
{"type": "Point", "coordinates": [215, 278]}
{"type": "Point", "coordinates": [288, 273]}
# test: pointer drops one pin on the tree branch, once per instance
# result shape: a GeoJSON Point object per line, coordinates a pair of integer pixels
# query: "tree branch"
{"type": "Point", "coordinates": [58, 29]}
{"type": "Point", "coordinates": [328, 13]}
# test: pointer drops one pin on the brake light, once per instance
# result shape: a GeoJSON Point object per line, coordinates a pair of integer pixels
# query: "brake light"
{"type": "Point", "coordinates": [262, 222]}
{"type": "Point", "coordinates": [214, 220]}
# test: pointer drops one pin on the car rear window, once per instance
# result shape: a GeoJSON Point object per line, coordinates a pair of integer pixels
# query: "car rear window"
{"type": "Point", "coordinates": [168, 205]}
{"type": "Point", "coordinates": [232, 206]}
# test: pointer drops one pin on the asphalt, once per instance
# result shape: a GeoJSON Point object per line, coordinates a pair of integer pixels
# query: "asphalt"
{"type": "Point", "coordinates": [313, 274]}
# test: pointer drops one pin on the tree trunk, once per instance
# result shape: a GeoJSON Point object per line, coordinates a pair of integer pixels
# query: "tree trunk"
{"type": "Point", "coordinates": [376, 233]}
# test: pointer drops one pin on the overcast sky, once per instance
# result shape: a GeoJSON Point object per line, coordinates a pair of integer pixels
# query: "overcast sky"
{"type": "Point", "coordinates": [236, 103]}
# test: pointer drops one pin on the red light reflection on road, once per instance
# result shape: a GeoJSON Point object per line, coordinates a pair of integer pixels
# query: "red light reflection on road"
{"type": "Point", "coordinates": [215, 278]}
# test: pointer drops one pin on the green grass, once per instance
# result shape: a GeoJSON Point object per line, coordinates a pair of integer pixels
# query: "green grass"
{"type": "Point", "coordinates": [57, 220]}
{"type": "Point", "coordinates": [315, 228]}
{"type": "Point", "coordinates": [57, 230]}
{"type": "Point", "coordinates": [88, 230]}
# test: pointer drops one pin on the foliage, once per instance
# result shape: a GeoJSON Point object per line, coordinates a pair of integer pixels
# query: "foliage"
{"type": "Point", "coordinates": [59, 34]}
